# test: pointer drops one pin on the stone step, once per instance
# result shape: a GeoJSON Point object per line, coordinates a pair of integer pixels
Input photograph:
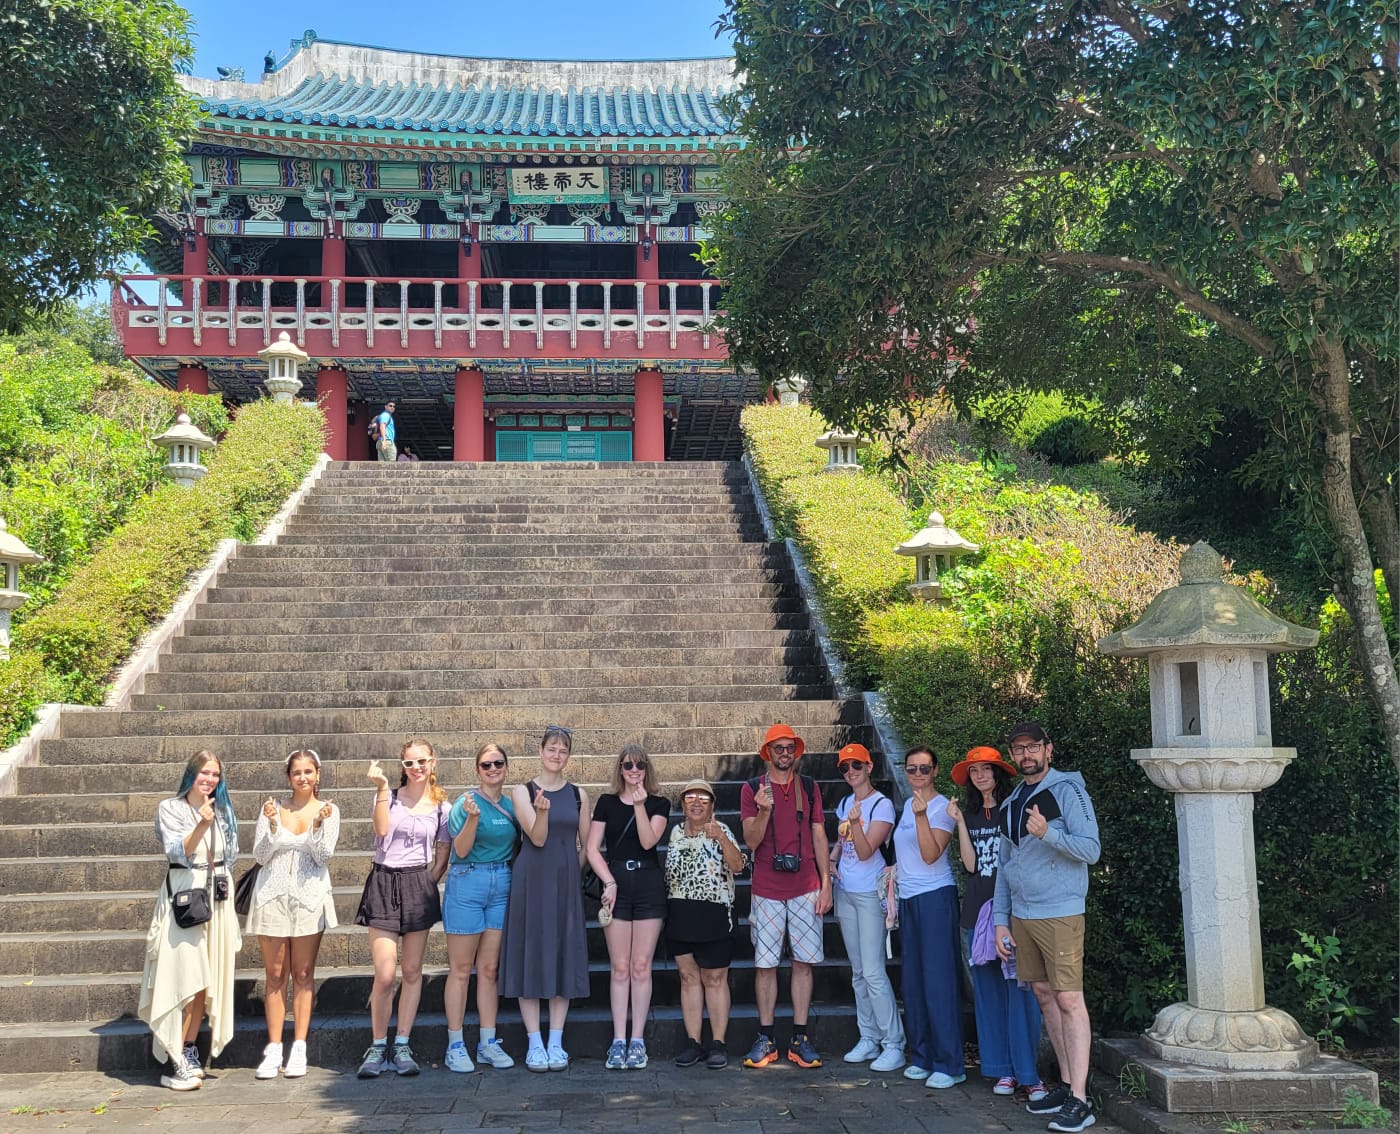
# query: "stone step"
{"type": "Point", "coordinates": [347, 945]}
{"type": "Point", "coordinates": [338, 1041]}
{"type": "Point", "coordinates": [119, 823]}
{"type": "Point", "coordinates": [487, 718]}
{"type": "Point", "coordinates": [374, 745]}
{"type": "Point", "coordinates": [529, 683]}
{"type": "Point", "coordinates": [354, 531]}
{"type": "Point", "coordinates": [600, 660]}
{"type": "Point", "coordinates": [543, 606]}
{"type": "Point", "coordinates": [85, 996]}
{"type": "Point", "coordinates": [682, 621]}
{"type": "Point", "coordinates": [602, 505]}
{"type": "Point", "coordinates": [428, 698]}
{"type": "Point", "coordinates": [448, 640]}
{"type": "Point", "coordinates": [610, 555]}
{"type": "Point", "coordinates": [659, 596]}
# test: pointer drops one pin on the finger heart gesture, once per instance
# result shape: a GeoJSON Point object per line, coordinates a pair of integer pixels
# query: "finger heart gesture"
{"type": "Point", "coordinates": [376, 774]}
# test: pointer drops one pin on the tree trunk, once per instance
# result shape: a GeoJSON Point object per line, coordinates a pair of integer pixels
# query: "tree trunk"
{"type": "Point", "coordinates": [1384, 526]}
{"type": "Point", "coordinates": [1359, 578]}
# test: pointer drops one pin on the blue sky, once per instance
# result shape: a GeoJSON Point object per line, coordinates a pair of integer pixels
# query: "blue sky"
{"type": "Point", "coordinates": [237, 33]}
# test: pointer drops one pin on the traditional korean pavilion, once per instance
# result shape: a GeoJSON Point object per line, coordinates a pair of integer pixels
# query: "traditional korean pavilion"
{"type": "Point", "coordinates": [504, 248]}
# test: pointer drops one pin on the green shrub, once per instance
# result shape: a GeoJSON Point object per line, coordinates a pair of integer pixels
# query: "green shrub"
{"type": "Point", "coordinates": [1053, 428]}
{"type": "Point", "coordinates": [93, 623]}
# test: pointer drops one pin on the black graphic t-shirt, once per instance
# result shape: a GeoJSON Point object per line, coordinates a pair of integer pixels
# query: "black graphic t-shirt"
{"type": "Point", "coordinates": [984, 829]}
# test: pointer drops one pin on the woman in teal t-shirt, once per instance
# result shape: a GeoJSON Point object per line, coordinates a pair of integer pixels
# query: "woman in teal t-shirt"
{"type": "Point", "coordinates": [485, 837]}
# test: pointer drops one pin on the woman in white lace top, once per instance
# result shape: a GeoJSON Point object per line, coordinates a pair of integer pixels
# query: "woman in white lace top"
{"type": "Point", "coordinates": [292, 904]}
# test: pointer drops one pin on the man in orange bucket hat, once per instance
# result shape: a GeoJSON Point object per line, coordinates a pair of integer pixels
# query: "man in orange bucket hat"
{"type": "Point", "coordinates": [785, 829]}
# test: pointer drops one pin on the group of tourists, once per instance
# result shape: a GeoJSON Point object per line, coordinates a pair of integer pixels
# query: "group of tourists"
{"type": "Point", "coordinates": [517, 862]}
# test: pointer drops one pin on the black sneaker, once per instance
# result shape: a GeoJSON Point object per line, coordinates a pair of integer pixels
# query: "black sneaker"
{"type": "Point", "coordinates": [690, 1054]}
{"type": "Point", "coordinates": [718, 1057]}
{"type": "Point", "coordinates": [1076, 1114]}
{"type": "Point", "coordinates": [1051, 1101]}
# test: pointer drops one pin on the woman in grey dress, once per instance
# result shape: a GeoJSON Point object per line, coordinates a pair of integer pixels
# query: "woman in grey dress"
{"type": "Point", "coordinates": [544, 953]}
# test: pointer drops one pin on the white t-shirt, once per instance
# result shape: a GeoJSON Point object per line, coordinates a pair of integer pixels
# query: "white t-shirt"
{"type": "Point", "coordinates": [915, 876]}
{"type": "Point", "coordinates": [862, 877]}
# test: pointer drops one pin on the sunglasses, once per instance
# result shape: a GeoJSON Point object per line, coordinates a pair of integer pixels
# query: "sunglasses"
{"type": "Point", "coordinates": [918, 769]}
{"type": "Point", "coordinates": [416, 763]}
{"type": "Point", "coordinates": [782, 749]}
{"type": "Point", "coordinates": [692, 796]}
{"type": "Point", "coordinates": [491, 764]}
{"type": "Point", "coordinates": [634, 766]}
{"type": "Point", "coordinates": [850, 765]}
{"type": "Point", "coordinates": [558, 728]}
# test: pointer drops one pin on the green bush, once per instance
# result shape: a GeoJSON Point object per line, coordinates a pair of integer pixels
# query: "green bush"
{"type": "Point", "coordinates": [1056, 571]}
{"type": "Point", "coordinates": [90, 627]}
{"type": "Point", "coordinates": [1053, 428]}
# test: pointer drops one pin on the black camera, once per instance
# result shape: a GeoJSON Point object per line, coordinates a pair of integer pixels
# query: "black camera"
{"type": "Point", "coordinates": [220, 888]}
{"type": "Point", "coordinates": [787, 863]}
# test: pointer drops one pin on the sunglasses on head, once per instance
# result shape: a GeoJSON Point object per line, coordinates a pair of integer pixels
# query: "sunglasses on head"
{"type": "Point", "coordinates": [918, 769]}
{"type": "Point", "coordinates": [634, 765]}
{"type": "Point", "coordinates": [558, 728]}
{"type": "Point", "coordinates": [491, 764]}
{"type": "Point", "coordinates": [417, 763]}
{"type": "Point", "coordinates": [849, 765]}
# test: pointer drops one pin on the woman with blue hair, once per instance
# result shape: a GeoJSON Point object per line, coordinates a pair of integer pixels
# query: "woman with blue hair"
{"type": "Point", "coordinates": [189, 968]}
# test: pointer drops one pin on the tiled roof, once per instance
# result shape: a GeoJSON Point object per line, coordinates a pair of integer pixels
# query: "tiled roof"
{"type": "Point", "coordinates": [325, 83]}
{"type": "Point", "coordinates": [492, 109]}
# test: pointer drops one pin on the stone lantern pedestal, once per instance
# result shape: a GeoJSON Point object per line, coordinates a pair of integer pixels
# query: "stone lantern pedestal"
{"type": "Point", "coordinates": [790, 389]}
{"type": "Point", "coordinates": [183, 442]}
{"type": "Point", "coordinates": [1223, 1048]}
{"type": "Point", "coordinates": [842, 449]}
{"type": "Point", "coordinates": [13, 555]}
{"type": "Point", "coordinates": [283, 358]}
{"type": "Point", "coordinates": [934, 548]}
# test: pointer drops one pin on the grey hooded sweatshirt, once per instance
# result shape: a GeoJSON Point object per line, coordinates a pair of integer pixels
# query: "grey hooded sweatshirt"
{"type": "Point", "coordinates": [1046, 877]}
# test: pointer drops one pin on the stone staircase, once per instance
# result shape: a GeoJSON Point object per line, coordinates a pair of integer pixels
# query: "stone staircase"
{"type": "Point", "coordinates": [463, 603]}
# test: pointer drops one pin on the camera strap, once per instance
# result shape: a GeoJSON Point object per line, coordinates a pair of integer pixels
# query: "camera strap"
{"type": "Point", "coordinates": [801, 792]}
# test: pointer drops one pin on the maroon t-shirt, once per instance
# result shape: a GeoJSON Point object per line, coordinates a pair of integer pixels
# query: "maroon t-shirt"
{"type": "Point", "coordinates": [781, 838]}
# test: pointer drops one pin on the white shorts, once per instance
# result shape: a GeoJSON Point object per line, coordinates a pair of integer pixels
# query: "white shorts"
{"type": "Point", "coordinates": [771, 919]}
{"type": "Point", "coordinates": [281, 917]}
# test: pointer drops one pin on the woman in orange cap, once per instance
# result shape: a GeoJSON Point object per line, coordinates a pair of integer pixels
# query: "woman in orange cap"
{"type": "Point", "coordinates": [1008, 1017]}
{"type": "Point", "coordinates": [865, 819]}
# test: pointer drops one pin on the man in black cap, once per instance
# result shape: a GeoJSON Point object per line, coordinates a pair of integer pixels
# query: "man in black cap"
{"type": "Point", "coordinates": [1049, 838]}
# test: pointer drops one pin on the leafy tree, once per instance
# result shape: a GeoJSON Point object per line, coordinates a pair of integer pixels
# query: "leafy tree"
{"type": "Point", "coordinates": [91, 122]}
{"type": "Point", "coordinates": [1174, 208]}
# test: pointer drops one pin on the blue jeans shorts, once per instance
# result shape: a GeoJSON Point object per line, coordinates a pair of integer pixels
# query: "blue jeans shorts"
{"type": "Point", "coordinates": [476, 897]}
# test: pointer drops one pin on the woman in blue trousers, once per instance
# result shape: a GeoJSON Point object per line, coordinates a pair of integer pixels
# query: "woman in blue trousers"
{"type": "Point", "coordinates": [928, 929]}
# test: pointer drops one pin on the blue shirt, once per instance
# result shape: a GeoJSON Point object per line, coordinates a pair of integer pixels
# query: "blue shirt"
{"type": "Point", "coordinates": [386, 421]}
{"type": "Point", "coordinates": [495, 834]}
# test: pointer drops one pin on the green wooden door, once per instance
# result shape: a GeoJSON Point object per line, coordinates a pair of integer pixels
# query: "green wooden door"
{"type": "Point", "coordinates": [574, 445]}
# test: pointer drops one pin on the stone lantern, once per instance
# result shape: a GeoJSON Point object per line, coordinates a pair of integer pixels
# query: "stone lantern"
{"type": "Point", "coordinates": [1207, 645]}
{"type": "Point", "coordinates": [935, 548]}
{"type": "Point", "coordinates": [283, 358]}
{"type": "Point", "coordinates": [183, 442]}
{"type": "Point", "coordinates": [790, 389]}
{"type": "Point", "coordinates": [842, 449]}
{"type": "Point", "coordinates": [13, 556]}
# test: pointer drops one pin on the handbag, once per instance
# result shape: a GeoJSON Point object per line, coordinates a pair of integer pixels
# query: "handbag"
{"type": "Point", "coordinates": [243, 889]}
{"type": "Point", "coordinates": [194, 906]}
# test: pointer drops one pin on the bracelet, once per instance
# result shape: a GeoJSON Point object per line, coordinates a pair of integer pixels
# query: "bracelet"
{"type": "Point", "coordinates": [609, 882]}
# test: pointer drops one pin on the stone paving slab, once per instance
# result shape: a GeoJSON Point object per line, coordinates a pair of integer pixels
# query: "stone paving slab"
{"type": "Point", "coordinates": [586, 1098]}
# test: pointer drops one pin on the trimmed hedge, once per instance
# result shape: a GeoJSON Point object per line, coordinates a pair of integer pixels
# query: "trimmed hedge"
{"type": "Point", "coordinates": [87, 632]}
{"type": "Point", "coordinates": [1057, 570]}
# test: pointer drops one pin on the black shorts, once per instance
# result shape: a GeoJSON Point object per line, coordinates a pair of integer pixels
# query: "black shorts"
{"type": "Point", "coordinates": [400, 899]}
{"type": "Point", "coordinates": [701, 929]}
{"type": "Point", "coordinates": [641, 894]}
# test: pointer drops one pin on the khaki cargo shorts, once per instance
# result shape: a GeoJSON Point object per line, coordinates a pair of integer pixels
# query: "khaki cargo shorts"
{"type": "Point", "coordinates": [1050, 950]}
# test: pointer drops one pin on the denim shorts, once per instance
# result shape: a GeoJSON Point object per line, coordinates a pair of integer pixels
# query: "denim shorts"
{"type": "Point", "coordinates": [476, 895]}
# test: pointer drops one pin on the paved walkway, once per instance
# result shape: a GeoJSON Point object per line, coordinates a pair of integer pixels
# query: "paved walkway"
{"type": "Point", "coordinates": [586, 1098]}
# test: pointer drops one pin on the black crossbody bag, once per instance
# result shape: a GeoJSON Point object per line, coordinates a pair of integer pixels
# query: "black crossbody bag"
{"type": "Point", "coordinates": [196, 906]}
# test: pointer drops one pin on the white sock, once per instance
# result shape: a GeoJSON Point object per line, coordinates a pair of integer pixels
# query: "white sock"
{"type": "Point", "coordinates": [401, 1040]}
{"type": "Point", "coordinates": [536, 1044]}
{"type": "Point", "coordinates": [454, 1037]}
{"type": "Point", "coordinates": [556, 1037]}
{"type": "Point", "coordinates": [487, 1035]}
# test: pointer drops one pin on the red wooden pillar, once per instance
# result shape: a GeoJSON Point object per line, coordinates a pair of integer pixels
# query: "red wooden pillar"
{"type": "Point", "coordinates": [357, 446]}
{"type": "Point", "coordinates": [332, 261]}
{"type": "Point", "coordinates": [469, 415]}
{"type": "Point", "coordinates": [194, 379]}
{"type": "Point", "coordinates": [332, 388]}
{"type": "Point", "coordinates": [196, 254]}
{"type": "Point", "coordinates": [649, 417]}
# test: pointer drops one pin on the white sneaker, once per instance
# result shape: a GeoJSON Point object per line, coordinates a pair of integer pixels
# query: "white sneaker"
{"type": "Point", "coordinates": [180, 1077]}
{"type": "Point", "coordinates": [914, 1071]}
{"type": "Point", "coordinates": [890, 1059]}
{"type": "Point", "coordinates": [492, 1054]}
{"type": "Point", "coordinates": [457, 1058]}
{"type": "Point", "coordinates": [271, 1062]}
{"type": "Point", "coordinates": [296, 1061]}
{"type": "Point", "coordinates": [863, 1052]}
{"type": "Point", "coordinates": [558, 1058]}
{"type": "Point", "coordinates": [536, 1059]}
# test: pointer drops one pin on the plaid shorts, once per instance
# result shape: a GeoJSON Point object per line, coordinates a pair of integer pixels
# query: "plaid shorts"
{"type": "Point", "coordinates": [797, 918]}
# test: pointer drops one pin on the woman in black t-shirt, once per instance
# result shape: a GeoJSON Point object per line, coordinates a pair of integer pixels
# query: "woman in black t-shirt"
{"type": "Point", "coordinates": [628, 823]}
{"type": "Point", "coordinates": [1008, 1017]}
